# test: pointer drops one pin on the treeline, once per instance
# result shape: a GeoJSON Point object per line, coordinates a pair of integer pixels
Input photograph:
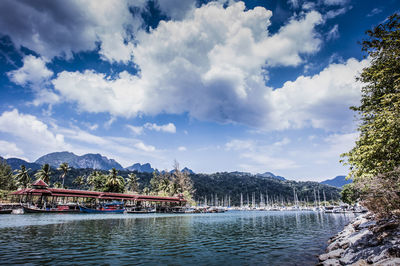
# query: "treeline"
{"type": "Point", "coordinates": [213, 189]}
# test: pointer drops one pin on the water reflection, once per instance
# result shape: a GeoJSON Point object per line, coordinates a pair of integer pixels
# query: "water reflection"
{"type": "Point", "coordinates": [232, 238]}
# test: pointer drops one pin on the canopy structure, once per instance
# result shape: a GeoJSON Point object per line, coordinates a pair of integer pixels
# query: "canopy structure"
{"type": "Point", "coordinates": [42, 189]}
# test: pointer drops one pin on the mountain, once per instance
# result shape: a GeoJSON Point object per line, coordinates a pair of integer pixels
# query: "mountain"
{"type": "Point", "coordinates": [190, 171]}
{"type": "Point", "coordinates": [338, 181]}
{"type": "Point", "coordinates": [94, 161]}
{"type": "Point", "coordinates": [16, 163]}
{"type": "Point", "coordinates": [141, 168]}
{"type": "Point", "coordinates": [271, 175]}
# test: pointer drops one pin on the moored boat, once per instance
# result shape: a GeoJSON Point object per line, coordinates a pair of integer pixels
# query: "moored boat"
{"type": "Point", "coordinates": [141, 210]}
{"type": "Point", "coordinates": [115, 207]}
{"type": "Point", "coordinates": [59, 209]}
{"type": "Point", "coordinates": [5, 211]}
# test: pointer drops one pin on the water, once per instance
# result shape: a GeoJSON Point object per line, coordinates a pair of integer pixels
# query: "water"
{"type": "Point", "coordinates": [231, 238]}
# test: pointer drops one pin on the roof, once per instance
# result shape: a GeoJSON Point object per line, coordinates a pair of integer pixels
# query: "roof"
{"type": "Point", "coordinates": [59, 192]}
{"type": "Point", "coordinates": [40, 183]}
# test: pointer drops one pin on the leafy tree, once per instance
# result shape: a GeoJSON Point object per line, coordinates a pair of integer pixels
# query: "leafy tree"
{"type": "Point", "coordinates": [114, 183]}
{"type": "Point", "coordinates": [185, 183]}
{"type": "Point", "coordinates": [350, 194]}
{"type": "Point", "coordinates": [57, 184]}
{"type": "Point", "coordinates": [377, 151]}
{"type": "Point", "coordinates": [22, 177]}
{"type": "Point", "coordinates": [44, 173]}
{"type": "Point", "coordinates": [132, 183]}
{"type": "Point", "coordinates": [64, 167]}
{"type": "Point", "coordinates": [80, 181]}
{"type": "Point", "coordinates": [7, 181]}
{"type": "Point", "coordinates": [97, 181]}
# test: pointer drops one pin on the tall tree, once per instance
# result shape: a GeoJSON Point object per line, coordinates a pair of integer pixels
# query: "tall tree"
{"type": "Point", "coordinates": [22, 177]}
{"type": "Point", "coordinates": [377, 151]}
{"type": "Point", "coordinates": [132, 183]}
{"type": "Point", "coordinates": [7, 181]}
{"type": "Point", "coordinates": [80, 181]}
{"type": "Point", "coordinates": [115, 183]}
{"type": "Point", "coordinates": [44, 173]}
{"type": "Point", "coordinates": [64, 167]}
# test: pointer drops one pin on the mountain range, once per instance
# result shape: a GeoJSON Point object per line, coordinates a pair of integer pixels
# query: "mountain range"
{"type": "Point", "coordinates": [99, 162]}
{"type": "Point", "coordinates": [338, 181]}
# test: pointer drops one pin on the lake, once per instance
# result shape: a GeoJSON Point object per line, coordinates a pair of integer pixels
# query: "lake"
{"type": "Point", "coordinates": [231, 238]}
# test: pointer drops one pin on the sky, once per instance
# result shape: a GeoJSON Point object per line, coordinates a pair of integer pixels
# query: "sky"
{"type": "Point", "coordinates": [251, 86]}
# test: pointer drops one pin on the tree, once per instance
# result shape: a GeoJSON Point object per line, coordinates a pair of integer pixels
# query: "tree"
{"type": "Point", "coordinates": [22, 177]}
{"type": "Point", "coordinates": [114, 183]}
{"type": "Point", "coordinates": [7, 181]}
{"type": "Point", "coordinates": [377, 151]}
{"type": "Point", "coordinates": [132, 183]}
{"type": "Point", "coordinates": [64, 168]}
{"type": "Point", "coordinates": [44, 173]}
{"type": "Point", "coordinates": [79, 181]}
{"type": "Point", "coordinates": [185, 183]}
{"type": "Point", "coordinates": [97, 181]}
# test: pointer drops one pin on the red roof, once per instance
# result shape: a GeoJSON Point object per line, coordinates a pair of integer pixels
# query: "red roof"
{"type": "Point", "coordinates": [58, 192]}
{"type": "Point", "coordinates": [40, 183]}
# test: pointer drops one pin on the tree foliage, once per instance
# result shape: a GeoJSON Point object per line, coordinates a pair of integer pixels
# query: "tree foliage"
{"type": "Point", "coordinates": [44, 173]}
{"type": "Point", "coordinates": [7, 181]}
{"type": "Point", "coordinates": [22, 177]}
{"type": "Point", "coordinates": [64, 167]}
{"type": "Point", "coordinates": [377, 151]}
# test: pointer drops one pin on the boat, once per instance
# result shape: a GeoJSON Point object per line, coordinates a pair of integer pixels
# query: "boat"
{"type": "Point", "coordinates": [2, 211]}
{"type": "Point", "coordinates": [115, 207]}
{"type": "Point", "coordinates": [58, 209]}
{"type": "Point", "coordinates": [141, 210]}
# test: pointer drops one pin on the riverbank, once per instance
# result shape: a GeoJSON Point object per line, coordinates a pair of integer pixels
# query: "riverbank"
{"type": "Point", "coordinates": [365, 241]}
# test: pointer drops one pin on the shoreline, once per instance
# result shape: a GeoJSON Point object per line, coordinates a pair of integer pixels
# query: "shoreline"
{"type": "Point", "coordinates": [364, 241]}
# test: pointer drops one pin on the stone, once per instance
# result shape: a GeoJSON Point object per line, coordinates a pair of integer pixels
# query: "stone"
{"type": "Point", "coordinates": [331, 262]}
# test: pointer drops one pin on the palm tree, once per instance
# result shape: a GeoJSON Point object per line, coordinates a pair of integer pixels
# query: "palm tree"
{"type": "Point", "coordinates": [79, 181]}
{"type": "Point", "coordinates": [44, 173]}
{"type": "Point", "coordinates": [132, 182]}
{"type": "Point", "coordinates": [65, 168]}
{"type": "Point", "coordinates": [115, 183]}
{"type": "Point", "coordinates": [22, 177]}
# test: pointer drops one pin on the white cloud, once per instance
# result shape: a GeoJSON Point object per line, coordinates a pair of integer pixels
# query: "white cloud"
{"type": "Point", "coordinates": [335, 2]}
{"type": "Point", "coordinates": [182, 148]}
{"type": "Point", "coordinates": [333, 33]}
{"type": "Point", "coordinates": [176, 9]}
{"type": "Point", "coordinates": [35, 74]}
{"type": "Point", "coordinates": [33, 71]}
{"type": "Point", "coordinates": [170, 127]}
{"type": "Point", "coordinates": [144, 147]}
{"type": "Point", "coordinates": [135, 130]}
{"type": "Point", "coordinates": [320, 101]}
{"type": "Point", "coordinates": [29, 129]}
{"type": "Point", "coordinates": [209, 65]}
{"type": "Point", "coordinates": [63, 28]}
{"type": "Point", "coordinates": [9, 149]}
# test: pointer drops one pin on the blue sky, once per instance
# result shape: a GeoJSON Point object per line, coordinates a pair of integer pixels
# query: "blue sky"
{"type": "Point", "coordinates": [250, 86]}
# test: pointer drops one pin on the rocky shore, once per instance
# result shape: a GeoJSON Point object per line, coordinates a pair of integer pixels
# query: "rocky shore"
{"type": "Point", "coordinates": [365, 241]}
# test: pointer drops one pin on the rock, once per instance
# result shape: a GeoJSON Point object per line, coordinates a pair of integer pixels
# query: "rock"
{"type": "Point", "coordinates": [331, 262]}
{"type": "Point", "coordinates": [367, 224]}
{"type": "Point", "coordinates": [388, 262]}
{"type": "Point", "coordinates": [360, 263]}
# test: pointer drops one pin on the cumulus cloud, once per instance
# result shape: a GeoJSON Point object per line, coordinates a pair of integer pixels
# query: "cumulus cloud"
{"type": "Point", "coordinates": [59, 28]}
{"type": "Point", "coordinates": [170, 127]}
{"type": "Point", "coordinates": [319, 101]}
{"type": "Point", "coordinates": [35, 74]}
{"type": "Point", "coordinates": [29, 129]}
{"type": "Point", "coordinates": [182, 148]}
{"type": "Point", "coordinates": [9, 149]}
{"type": "Point", "coordinates": [209, 64]}
{"type": "Point", "coordinates": [33, 71]}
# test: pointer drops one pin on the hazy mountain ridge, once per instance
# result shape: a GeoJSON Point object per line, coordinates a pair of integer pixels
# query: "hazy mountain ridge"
{"type": "Point", "coordinates": [94, 161]}
{"type": "Point", "coordinates": [338, 181]}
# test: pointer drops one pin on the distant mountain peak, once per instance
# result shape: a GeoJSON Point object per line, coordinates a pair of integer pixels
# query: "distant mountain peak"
{"type": "Point", "coordinates": [90, 160]}
{"type": "Point", "coordinates": [271, 175]}
{"type": "Point", "coordinates": [141, 168]}
{"type": "Point", "coordinates": [338, 181]}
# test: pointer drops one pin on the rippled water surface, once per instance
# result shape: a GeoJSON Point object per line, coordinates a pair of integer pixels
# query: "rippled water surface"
{"type": "Point", "coordinates": [231, 238]}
